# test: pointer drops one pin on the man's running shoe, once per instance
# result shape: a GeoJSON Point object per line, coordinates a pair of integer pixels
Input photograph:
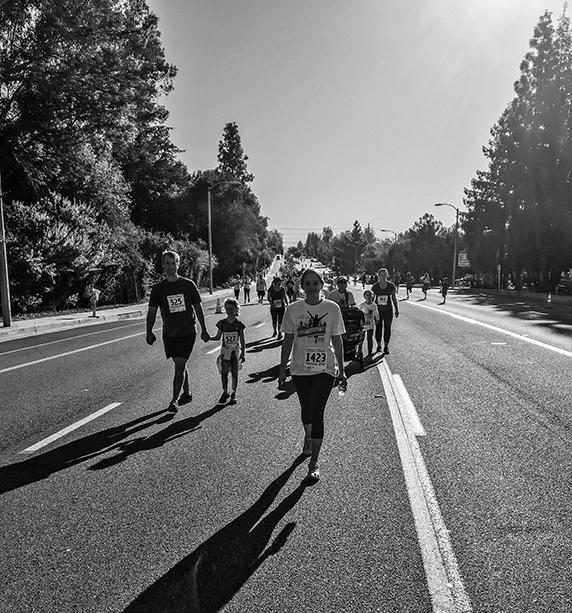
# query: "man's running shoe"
{"type": "Point", "coordinates": [314, 472]}
{"type": "Point", "coordinates": [173, 407]}
{"type": "Point", "coordinates": [307, 448]}
{"type": "Point", "coordinates": [223, 398]}
{"type": "Point", "coordinates": [279, 335]}
{"type": "Point", "coordinates": [185, 398]}
{"type": "Point", "coordinates": [386, 350]}
{"type": "Point", "coordinates": [274, 333]}
{"type": "Point", "coordinates": [233, 398]}
{"type": "Point", "coordinates": [378, 350]}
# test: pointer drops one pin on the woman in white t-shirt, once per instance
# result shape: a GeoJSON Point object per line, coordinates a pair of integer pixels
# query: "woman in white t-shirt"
{"type": "Point", "coordinates": [313, 331]}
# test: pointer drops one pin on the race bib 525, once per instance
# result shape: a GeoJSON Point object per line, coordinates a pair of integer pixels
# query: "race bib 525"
{"type": "Point", "coordinates": [176, 303]}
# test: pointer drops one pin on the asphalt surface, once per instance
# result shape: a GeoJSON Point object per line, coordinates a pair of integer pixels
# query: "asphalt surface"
{"type": "Point", "coordinates": [208, 510]}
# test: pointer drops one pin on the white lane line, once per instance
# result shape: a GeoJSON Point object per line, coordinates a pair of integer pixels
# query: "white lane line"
{"type": "Point", "coordinates": [71, 428]}
{"type": "Point", "coordinates": [66, 353]}
{"type": "Point", "coordinates": [522, 337]}
{"type": "Point", "coordinates": [411, 413]}
{"type": "Point", "coordinates": [498, 343]}
{"type": "Point", "coordinates": [259, 325]}
{"type": "Point", "coordinates": [213, 350]}
{"type": "Point", "coordinates": [444, 581]}
{"type": "Point", "coordinates": [69, 338]}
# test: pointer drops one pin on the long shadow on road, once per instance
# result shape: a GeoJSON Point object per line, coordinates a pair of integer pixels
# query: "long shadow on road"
{"type": "Point", "coordinates": [207, 579]}
{"type": "Point", "coordinates": [42, 466]}
{"type": "Point", "coordinates": [558, 317]}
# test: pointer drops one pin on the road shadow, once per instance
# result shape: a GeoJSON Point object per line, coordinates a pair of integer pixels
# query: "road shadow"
{"type": "Point", "coordinates": [267, 343]}
{"type": "Point", "coordinates": [207, 579]}
{"type": "Point", "coordinates": [354, 368]}
{"type": "Point", "coordinates": [557, 318]}
{"type": "Point", "coordinates": [176, 430]}
{"type": "Point", "coordinates": [266, 376]}
{"type": "Point", "coordinates": [14, 476]}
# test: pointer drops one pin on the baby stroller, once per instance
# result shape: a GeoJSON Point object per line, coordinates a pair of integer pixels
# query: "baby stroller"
{"type": "Point", "coordinates": [355, 334]}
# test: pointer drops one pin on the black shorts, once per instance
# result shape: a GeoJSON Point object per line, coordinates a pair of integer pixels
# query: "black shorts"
{"type": "Point", "coordinates": [180, 346]}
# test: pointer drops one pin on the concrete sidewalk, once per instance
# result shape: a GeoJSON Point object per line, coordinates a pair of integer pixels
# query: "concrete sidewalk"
{"type": "Point", "coordinates": [22, 328]}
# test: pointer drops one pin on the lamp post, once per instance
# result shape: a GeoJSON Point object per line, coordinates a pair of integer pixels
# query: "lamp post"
{"type": "Point", "coordinates": [393, 232]}
{"type": "Point", "coordinates": [454, 239]}
{"type": "Point", "coordinates": [210, 234]}
{"type": "Point", "coordinates": [4, 283]}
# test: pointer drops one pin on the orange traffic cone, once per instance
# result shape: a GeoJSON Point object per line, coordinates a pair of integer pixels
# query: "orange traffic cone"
{"type": "Point", "coordinates": [218, 307]}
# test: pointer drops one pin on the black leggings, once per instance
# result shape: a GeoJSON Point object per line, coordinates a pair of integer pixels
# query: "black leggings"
{"type": "Point", "coordinates": [384, 323]}
{"type": "Point", "coordinates": [277, 317]}
{"type": "Point", "coordinates": [313, 392]}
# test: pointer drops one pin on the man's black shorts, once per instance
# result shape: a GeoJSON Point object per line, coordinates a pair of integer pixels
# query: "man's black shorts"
{"type": "Point", "coordinates": [179, 347]}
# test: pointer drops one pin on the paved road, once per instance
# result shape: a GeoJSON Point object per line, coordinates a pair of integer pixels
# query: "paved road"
{"type": "Point", "coordinates": [139, 510]}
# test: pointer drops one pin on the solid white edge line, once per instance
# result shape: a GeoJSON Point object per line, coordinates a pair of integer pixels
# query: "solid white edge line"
{"type": "Point", "coordinates": [69, 338]}
{"type": "Point", "coordinates": [445, 585]}
{"type": "Point", "coordinates": [409, 407]}
{"type": "Point", "coordinates": [70, 428]}
{"type": "Point", "coordinates": [491, 327]}
{"type": "Point", "coordinates": [259, 325]}
{"type": "Point", "coordinates": [66, 353]}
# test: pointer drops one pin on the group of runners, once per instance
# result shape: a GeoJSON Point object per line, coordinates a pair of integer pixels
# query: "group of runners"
{"type": "Point", "coordinates": [310, 329]}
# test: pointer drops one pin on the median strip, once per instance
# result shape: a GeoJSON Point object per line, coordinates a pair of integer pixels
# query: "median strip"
{"type": "Point", "coordinates": [71, 428]}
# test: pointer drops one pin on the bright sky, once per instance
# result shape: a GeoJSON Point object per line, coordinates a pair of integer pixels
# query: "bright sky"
{"type": "Point", "coordinates": [364, 109]}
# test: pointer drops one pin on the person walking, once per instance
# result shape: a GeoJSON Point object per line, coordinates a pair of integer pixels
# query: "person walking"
{"type": "Point", "coordinates": [313, 330]}
{"type": "Point", "coordinates": [396, 281]}
{"type": "Point", "coordinates": [384, 292]}
{"type": "Point", "coordinates": [371, 319]}
{"type": "Point", "coordinates": [342, 295]}
{"type": "Point", "coordinates": [246, 286]}
{"type": "Point", "coordinates": [236, 287]}
{"type": "Point", "coordinates": [231, 329]}
{"type": "Point", "coordinates": [278, 302]}
{"type": "Point", "coordinates": [425, 283]}
{"type": "Point", "coordinates": [363, 280]}
{"type": "Point", "coordinates": [444, 288]}
{"type": "Point", "coordinates": [180, 303]}
{"type": "Point", "coordinates": [260, 288]}
{"type": "Point", "coordinates": [408, 283]}
{"type": "Point", "coordinates": [290, 288]}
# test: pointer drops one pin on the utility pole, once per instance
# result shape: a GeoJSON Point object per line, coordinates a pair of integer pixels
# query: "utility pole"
{"type": "Point", "coordinates": [4, 282]}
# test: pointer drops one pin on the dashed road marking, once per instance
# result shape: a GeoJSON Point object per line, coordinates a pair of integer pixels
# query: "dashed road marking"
{"type": "Point", "coordinates": [70, 428]}
{"type": "Point", "coordinates": [444, 581]}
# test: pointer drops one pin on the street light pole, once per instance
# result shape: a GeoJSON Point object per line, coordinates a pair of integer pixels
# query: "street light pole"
{"type": "Point", "coordinates": [210, 234]}
{"type": "Point", "coordinates": [393, 232]}
{"type": "Point", "coordinates": [4, 282]}
{"type": "Point", "coordinates": [454, 238]}
{"type": "Point", "coordinates": [210, 237]}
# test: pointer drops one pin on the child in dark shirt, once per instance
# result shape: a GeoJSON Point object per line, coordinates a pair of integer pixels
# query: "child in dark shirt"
{"type": "Point", "coordinates": [231, 329]}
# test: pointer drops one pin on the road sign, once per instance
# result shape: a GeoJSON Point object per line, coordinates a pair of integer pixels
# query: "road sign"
{"type": "Point", "coordinates": [463, 259]}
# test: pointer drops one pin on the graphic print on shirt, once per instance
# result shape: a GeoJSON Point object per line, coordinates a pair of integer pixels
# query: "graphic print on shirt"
{"type": "Point", "coordinates": [313, 329]}
{"type": "Point", "coordinates": [176, 303]}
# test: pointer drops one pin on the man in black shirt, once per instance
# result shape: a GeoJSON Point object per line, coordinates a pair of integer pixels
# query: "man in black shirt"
{"type": "Point", "coordinates": [179, 300]}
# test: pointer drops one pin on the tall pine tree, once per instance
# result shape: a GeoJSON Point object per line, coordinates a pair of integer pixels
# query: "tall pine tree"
{"type": "Point", "coordinates": [231, 157]}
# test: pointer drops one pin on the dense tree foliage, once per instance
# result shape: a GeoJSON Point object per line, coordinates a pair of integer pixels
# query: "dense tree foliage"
{"type": "Point", "coordinates": [520, 207]}
{"type": "Point", "coordinates": [93, 187]}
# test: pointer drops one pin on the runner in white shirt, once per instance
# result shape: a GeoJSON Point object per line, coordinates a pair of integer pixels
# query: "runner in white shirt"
{"type": "Point", "coordinates": [313, 331]}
